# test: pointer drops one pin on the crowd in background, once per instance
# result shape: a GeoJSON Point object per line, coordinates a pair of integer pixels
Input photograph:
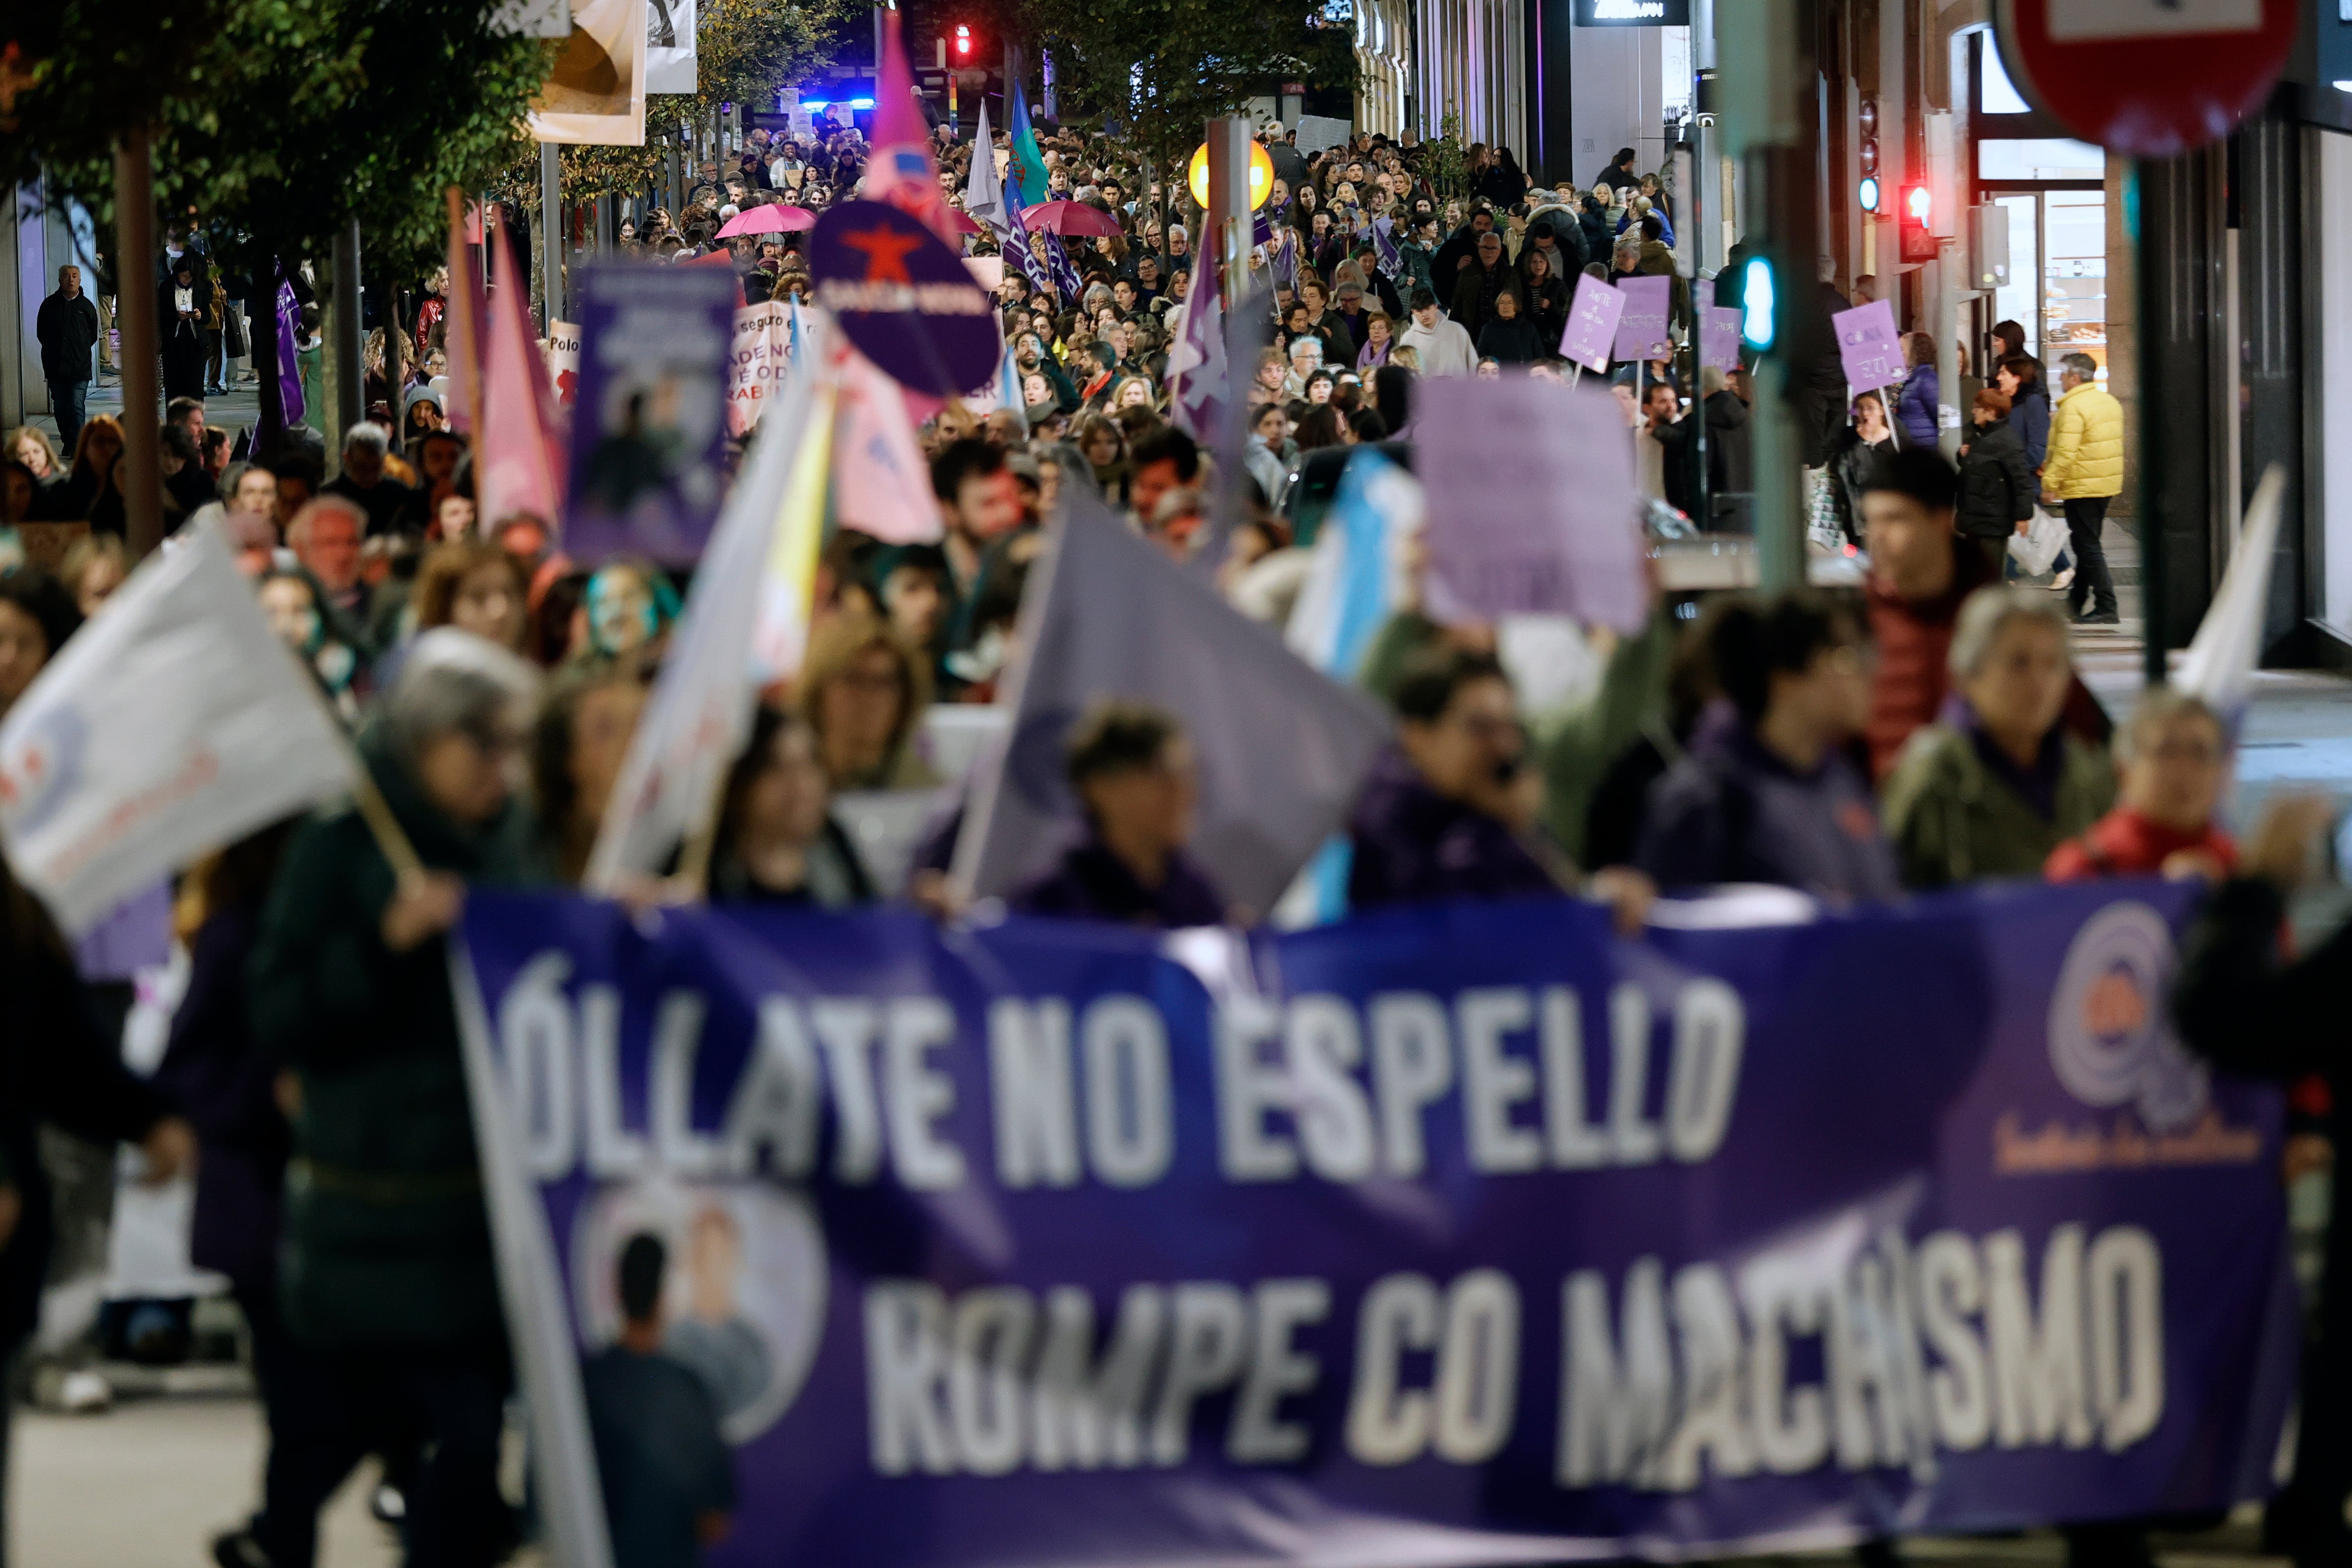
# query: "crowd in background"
{"type": "Point", "coordinates": [1927, 731]}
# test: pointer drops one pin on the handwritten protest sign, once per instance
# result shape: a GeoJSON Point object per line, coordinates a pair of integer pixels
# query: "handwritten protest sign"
{"type": "Point", "coordinates": [1642, 330]}
{"type": "Point", "coordinates": [1869, 346]}
{"type": "Point", "coordinates": [1591, 328]}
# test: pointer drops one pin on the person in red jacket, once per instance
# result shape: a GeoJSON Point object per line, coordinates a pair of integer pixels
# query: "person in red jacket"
{"type": "Point", "coordinates": [2171, 761]}
{"type": "Point", "coordinates": [1921, 572]}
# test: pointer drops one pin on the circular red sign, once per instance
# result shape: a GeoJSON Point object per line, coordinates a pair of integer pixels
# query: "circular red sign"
{"type": "Point", "coordinates": [2150, 79]}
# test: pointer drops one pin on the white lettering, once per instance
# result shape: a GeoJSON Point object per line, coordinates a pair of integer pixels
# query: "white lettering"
{"type": "Point", "coordinates": [1576, 1144]}
{"type": "Point", "coordinates": [845, 1027]}
{"type": "Point", "coordinates": [1279, 1308]}
{"type": "Point", "coordinates": [775, 1104]}
{"type": "Point", "coordinates": [1710, 1028]}
{"type": "Point", "coordinates": [918, 1094]}
{"type": "Point", "coordinates": [1613, 1417]}
{"type": "Point", "coordinates": [993, 1328]}
{"type": "Point", "coordinates": [613, 1150]}
{"type": "Point", "coordinates": [1478, 1367]}
{"type": "Point", "coordinates": [677, 1032]}
{"type": "Point", "coordinates": [1130, 1111]}
{"type": "Point", "coordinates": [1247, 1088]}
{"type": "Point", "coordinates": [906, 1363]}
{"type": "Point", "coordinates": [1493, 1080]}
{"type": "Point", "coordinates": [1084, 1419]}
{"type": "Point", "coordinates": [1386, 1426]}
{"type": "Point", "coordinates": [1323, 1046]}
{"type": "Point", "coordinates": [1638, 1141]}
{"type": "Point", "coordinates": [1411, 1067]}
{"type": "Point", "coordinates": [1209, 1336]}
{"type": "Point", "coordinates": [1029, 1086]}
{"type": "Point", "coordinates": [2124, 1279]}
{"type": "Point", "coordinates": [2038, 1384]}
{"type": "Point", "coordinates": [1951, 1292]}
{"type": "Point", "coordinates": [535, 1028]}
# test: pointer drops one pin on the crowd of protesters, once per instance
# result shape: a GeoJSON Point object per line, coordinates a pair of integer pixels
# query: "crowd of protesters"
{"type": "Point", "coordinates": [1926, 732]}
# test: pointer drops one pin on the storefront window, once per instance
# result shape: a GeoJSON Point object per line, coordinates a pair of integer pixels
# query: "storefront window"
{"type": "Point", "coordinates": [2040, 158]}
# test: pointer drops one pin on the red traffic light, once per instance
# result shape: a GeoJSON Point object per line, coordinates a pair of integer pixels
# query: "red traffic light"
{"type": "Point", "coordinates": [963, 42]}
{"type": "Point", "coordinates": [1918, 211]}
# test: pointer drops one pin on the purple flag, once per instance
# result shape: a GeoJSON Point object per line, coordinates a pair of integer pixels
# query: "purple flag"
{"type": "Point", "coordinates": [1869, 345]}
{"type": "Point", "coordinates": [1530, 495]}
{"type": "Point", "coordinates": [1016, 239]}
{"type": "Point", "coordinates": [1286, 259]}
{"type": "Point", "coordinates": [1591, 327]}
{"type": "Point", "coordinates": [1385, 253]}
{"type": "Point", "coordinates": [289, 364]}
{"type": "Point", "coordinates": [1065, 276]}
{"type": "Point", "coordinates": [1642, 330]}
{"type": "Point", "coordinates": [1197, 370]}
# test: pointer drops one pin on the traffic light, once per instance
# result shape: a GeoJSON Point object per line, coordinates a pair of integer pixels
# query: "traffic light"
{"type": "Point", "coordinates": [1759, 304]}
{"type": "Point", "coordinates": [962, 44]}
{"type": "Point", "coordinates": [1918, 224]}
{"type": "Point", "coordinates": [1866, 154]}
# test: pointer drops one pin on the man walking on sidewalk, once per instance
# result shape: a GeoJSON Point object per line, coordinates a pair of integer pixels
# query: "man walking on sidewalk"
{"type": "Point", "coordinates": [67, 328]}
{"type": "Point", "coordinates": [2083, 472]}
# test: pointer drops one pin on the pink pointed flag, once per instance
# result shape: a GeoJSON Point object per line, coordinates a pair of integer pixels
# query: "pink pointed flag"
{"type": "Point", "coordinates": [515, 469]}
{"type": "Point", "coordinates": [901, 171]}
{"type": "Point", "coordinates": [881, 486]}
{"type": "Point", "coordinates": [462, 323]}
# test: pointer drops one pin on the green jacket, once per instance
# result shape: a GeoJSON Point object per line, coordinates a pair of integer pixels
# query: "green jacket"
{"type": "Point", "coordinates": [1952, 819]}
{"type": "Point", "coordinates": [387, 1238]}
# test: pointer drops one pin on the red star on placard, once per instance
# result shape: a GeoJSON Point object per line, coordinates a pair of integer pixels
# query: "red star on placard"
{"type": "Point", "coordinates": [886, 253]}
{"type": "Point", "coordinates": [566, 384]}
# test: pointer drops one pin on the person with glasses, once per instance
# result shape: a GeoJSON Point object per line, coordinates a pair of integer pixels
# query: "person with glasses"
{"type": "Point", "coordinates": [1766, 792]}
{"type": "Point", "coordinates": [1451, 810]}
{"type": "Point", "coordinates": [390, 1298]}
{"type": "Point", "coordinates": [1997, 785]}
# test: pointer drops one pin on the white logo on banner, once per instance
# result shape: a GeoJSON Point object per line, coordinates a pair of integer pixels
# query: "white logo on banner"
{"type": "Point", "coordinates": [2111, 1040]}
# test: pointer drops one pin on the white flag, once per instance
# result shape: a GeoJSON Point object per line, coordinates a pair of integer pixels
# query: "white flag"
{"type": "Point", "coordinates": [2219, 663]}
{"type": "Point", "coordinates": [172, 723]}
{"type": "Point", "coordinates": [701, 707]}
{"type": "Point", "coordinates": [1281, 748]}
{"type": "Point", "coordinates": [982, 195]}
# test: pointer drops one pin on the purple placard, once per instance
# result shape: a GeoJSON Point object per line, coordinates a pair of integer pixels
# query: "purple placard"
{"type": "Point", "coordinates": [1642, 330]}
{"type": "Point", "coordinates": [1703, 292]}
{"type": "Point", "coordinates": [1530, 493]}
{"type": "Point", "coordinates": [904, 299]}
{"type": "Point", "coordinates": [1592, 328]}
{"type": "Point", "coordinates": [649, 423]}
{"type": "Point", "coordinates": [1868, 344]}
{"type": "Point", "coordinates": [1718, 337]}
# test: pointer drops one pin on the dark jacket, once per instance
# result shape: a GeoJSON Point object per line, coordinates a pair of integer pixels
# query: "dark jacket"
{"type": "Point", "coordinates": [1594, 220]}
{"type": "Point", "coordinates": [1915, 406]}
{"type": "Point", "coordinates": [1090, 883]}
{"type": "Point", "coordinates": [1473, 303]}
{"type": "Point", "coordinates": [1514, 341]}
{"type": "Point", "coordinates": [56, 1068]}
{"type": "Point", "coordinates": [67, 329]}
{"type": "Point", "coordinates": [1850, 459]}
{"type": "Point", "coordinates": [1411, 844]}
{"type": "Point", "coordinates": [2029, 416]}
{"type": "Point", "coordinates": [1445, 267]}
{"type": "Point", "coordinates": [225, 1084]}
{"type": "Point", "coordinates": [1733, 811]}
{"type": "Point", "coordinates": [1997, 486]}
{"type": "Point", "coordinates": [387, 1240]}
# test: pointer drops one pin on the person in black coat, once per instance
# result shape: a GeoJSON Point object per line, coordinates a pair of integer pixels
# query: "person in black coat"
{"type": "Point", "coordinates": [56, 1067]}
{"type": "Point", "coordinates": [68, 330]}
{"type": "Point", "coordinates": [183, 301]}
{"type": "Point", "coordinates": [1997, 486]}
{"type": "Point", "coordinates": [1131, 768]}
{"type": "Point", "coordinates": [1508, 337]}
{"type": "Point", "coordinates": [2236, 1004]}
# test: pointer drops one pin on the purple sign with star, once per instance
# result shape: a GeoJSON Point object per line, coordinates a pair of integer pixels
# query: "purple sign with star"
{"type": "Point", "coordinates": [904, 299]}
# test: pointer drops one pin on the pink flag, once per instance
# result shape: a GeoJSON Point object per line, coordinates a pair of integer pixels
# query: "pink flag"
{"type": "Point", "coordinates": [881, 486]}
{"type": "Point", "coordinates": [900, 170]}
{"type": "Point", "coordinates": [515, 469]}
{"type": "Point", "coordinates": [462, 324]}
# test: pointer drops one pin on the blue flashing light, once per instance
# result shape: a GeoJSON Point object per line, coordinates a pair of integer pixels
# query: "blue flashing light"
{"type": "Point", "coordinates": [1758, 327]}
{"type": "Point", "coordinates": [861, 103]}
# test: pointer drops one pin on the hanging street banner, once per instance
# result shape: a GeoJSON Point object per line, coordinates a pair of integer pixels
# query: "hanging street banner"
{"type": "Point", "coordinates": [649, 428]}
{"type": "Point", "coordinates": [1460, 1233]}
{"type": "Point", "coordinates": [904, 297]}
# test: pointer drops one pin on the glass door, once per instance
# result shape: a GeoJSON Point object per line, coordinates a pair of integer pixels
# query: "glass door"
{"type": "Point", "coordinates": [2019, 298]}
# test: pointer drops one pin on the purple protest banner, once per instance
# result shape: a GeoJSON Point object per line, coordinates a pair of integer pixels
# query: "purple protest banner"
{"type": "Point", "coordinates": [1592, 328]}
{"type": "Point", "coordinates": [904, 299]}
{"type": "Point", "coordinates": [1868, 344]}
{"type": "Point", "coordinates": [1718, 337]}
{"type": "Point", "coordinates": [649, 424]}
{"type": "Point", "coordinates": [1703, 292]}
{"type": "Point", "coordinates": [1642, 330]}
{"type": "Point", "coordinates": [1530, 487]}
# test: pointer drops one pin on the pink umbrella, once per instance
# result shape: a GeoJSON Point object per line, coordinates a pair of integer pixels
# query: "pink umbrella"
{"type": "Point", "coordinates": [770, 217]}
{"type": "Point", "coordinates": [1070, 218]}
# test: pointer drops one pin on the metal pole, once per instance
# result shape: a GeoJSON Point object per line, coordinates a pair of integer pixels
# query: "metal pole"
{"type": "Point", "coordinates": [2152, 574]}
{"type": "Point", "coordinates": [351, 385]}
{"type": "Point", "coordinates": [1765, 132]}
{"type": "Point", "coordinates": [135, 306]}
{"type": "Point", "coordinates": [550, 224]}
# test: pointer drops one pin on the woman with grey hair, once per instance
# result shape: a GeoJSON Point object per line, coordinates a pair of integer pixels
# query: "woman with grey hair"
{"type": "Point", "coordinates": [388, 1291]}
{"type": "Point", "coordinates": [1998, 784]}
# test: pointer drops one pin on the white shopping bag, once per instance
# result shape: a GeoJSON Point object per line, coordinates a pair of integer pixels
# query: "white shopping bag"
{"type": "Point", "coordinates": [2039, 545]}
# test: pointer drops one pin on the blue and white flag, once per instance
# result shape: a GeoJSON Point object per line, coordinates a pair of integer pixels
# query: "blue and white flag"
{"type": "Point", "coordinates": [1359, 573]}
{"type": "Point", "coordinates": [1281, 749]}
